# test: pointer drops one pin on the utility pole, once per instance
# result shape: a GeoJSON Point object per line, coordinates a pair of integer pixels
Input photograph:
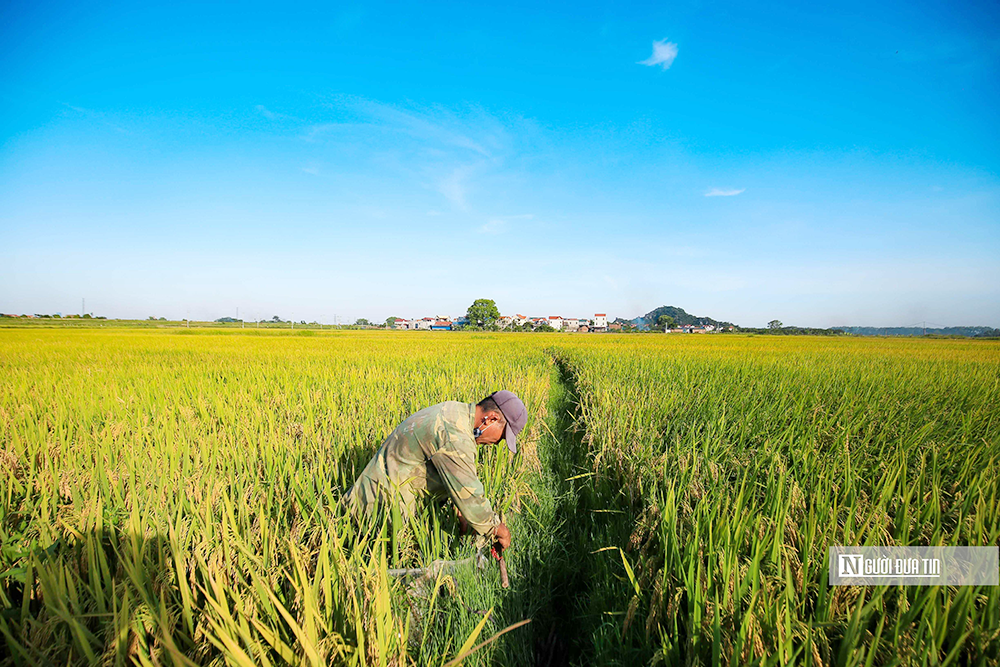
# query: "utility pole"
{"type": "Point", "coordinates": [83, 307]}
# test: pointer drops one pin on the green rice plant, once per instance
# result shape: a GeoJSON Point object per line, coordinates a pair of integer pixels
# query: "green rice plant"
{"type": "Point", "coordinates": [174, 498]}
{"type": "Point", "coordinates": [735, 462]}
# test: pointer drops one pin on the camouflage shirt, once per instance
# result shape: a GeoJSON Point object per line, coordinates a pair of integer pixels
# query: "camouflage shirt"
{"type": "Point", "coordinates": [432, 453]}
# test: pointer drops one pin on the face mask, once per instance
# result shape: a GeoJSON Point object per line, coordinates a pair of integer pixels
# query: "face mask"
{"type": "Point", "coordinates": [476, 432]}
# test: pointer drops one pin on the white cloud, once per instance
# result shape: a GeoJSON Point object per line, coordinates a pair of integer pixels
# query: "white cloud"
{"type": "Point", "coordinates": [495, 226]}
{"type": "Point", "coordinates": [101, 116]}
{"type": "Point", "coordinates": [274, 115]}
{"type": "Point", "coordinates": [464, 154]}
{"type": "Point", "coordinates": [664, 53]}
{"type": "Point", "coordinates": [499, 224]}
{"type": "Point", "coordinates": [479, 133]}
{"type": "Point", "coordinates": [453, 187]}
{"type": "Point", "coordinates": [720, 192]}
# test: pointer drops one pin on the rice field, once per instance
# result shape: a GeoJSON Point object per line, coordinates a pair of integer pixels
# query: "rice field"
{"type": "Point", "coordinates": [172, 497]}
{"type": "Point", "coordinates": [740, 460]}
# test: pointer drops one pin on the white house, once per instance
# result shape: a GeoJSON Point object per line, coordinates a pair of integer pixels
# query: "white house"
{"type": "Point", "coordinates": [600, 322]}
{"type": "Point", "coordinates": [556, 322]}
{"type": "Point", "coordinates": [424, 323]}
{"type": "Point", "coordinates": [570, 323]}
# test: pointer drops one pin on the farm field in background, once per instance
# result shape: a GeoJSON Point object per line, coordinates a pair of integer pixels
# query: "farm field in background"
{"type": "Point", "coordinates": [171, 497]}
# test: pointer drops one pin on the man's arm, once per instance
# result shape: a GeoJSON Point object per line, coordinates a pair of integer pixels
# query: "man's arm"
{"type": "Point", "coordinates": [458, 473]}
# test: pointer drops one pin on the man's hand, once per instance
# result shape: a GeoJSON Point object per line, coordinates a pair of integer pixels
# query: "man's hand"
{"type": "Point", "coordinates": [501, 541]}
{"type": "Point", "coordinates": [502, 535]}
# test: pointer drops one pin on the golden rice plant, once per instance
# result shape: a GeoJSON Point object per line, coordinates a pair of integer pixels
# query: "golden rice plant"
{"type": "Point", "coordinates": [174, 498]}
{"type": "Point", "coordinates": [724, 466]}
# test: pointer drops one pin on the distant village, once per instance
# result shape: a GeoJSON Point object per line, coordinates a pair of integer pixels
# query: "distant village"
{"type": "Point", "coordinates": [582, 325]}
{"type": "Point", "coordinates": [597, 324]}
{"type": "Point", "coordinates": [649, 323]}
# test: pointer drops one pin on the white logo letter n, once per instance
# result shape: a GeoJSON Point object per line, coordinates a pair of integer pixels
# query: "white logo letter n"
{"type": "Point", "coordinates": [849, 565]}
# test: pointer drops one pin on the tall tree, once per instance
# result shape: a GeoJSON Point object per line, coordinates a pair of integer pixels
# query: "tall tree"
{"type": "Point", "coordinates": [664, 322]}
{"type": "Point", "coordinates": [482, 314]}
{"type": "Point", "coordinates": [775, 324]}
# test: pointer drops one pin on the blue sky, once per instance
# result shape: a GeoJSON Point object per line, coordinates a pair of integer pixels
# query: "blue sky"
{"type": "Point", "coordinates": [816, 165]}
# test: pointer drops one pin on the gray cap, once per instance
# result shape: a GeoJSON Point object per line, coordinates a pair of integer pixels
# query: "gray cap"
{"type": "Point", "coordinates": [514, 413]}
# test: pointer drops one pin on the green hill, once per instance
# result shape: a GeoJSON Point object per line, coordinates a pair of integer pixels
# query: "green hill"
{"type": "Point", "coordinates": [680, 316]}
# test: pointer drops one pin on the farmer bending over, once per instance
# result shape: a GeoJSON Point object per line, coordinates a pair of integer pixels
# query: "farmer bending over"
{"type": "Point", "coordinates": [434, 452]}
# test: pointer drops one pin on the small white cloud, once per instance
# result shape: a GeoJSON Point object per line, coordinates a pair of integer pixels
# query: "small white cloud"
{"type": "Point", "coordinates": [311, 170]}
{"type": "Point", "coordinates": [495, 226]}
{"type": "Point", "coordinates": [719, 192]}
{"type": "Point", "coordinates": [433, 212]}
{"type": "Point", "coordinates": [664, 53]}
{"type": "Point", "coordinates": [265, 112]}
